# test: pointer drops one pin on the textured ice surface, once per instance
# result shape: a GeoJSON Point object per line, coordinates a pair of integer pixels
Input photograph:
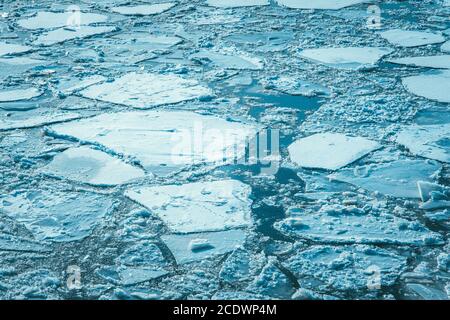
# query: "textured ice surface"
{"type": "Point", "coordinates": [240, 266]}
{"type": "Point", "coordinates": [13, 243]}
{"type": "Point", "coordinates": [228, 61]}
{"type": "Point", "coordinates": [318, 4]}
{"type": "Point", "coordinates": [162, 140]}
{"type": "Point", "coordinates": [219, 244]}
{"type": "Point", "coordinates": [338, 224]}
{"type": "Point", "coordinates": [19, 94]}
{"type": "Point", "coordinates": [50, 20]}
{"type": "Point", "coordinates": [408, 38]}
{"type": "Point", "coordinates": [73, 85]}
{"type": "Point", "coordinates": [346, 58]}
{"type": "Point", "coordinates": [432, 85]}
{"type": "Point", "coordinates": [198, 207]}
{"type": "Point", "coordinates": [438, 62]}
{"type": "Point", "coordinates": [295, 86]}
{"type": "Point", "coordinates": [56, 215]}
{"type": "Point", "coordinates": [329, 150]}
{"type": "Point", "coordinates": [236, 3]}
{"type": "Point", "coordinates": [144, 9]}
{"type": "Point", "coordinates": [11, 48]}
{"type": "Point", "coordinates": [396, 179]}
{"type": "Point", "coordinates": [346, 268]}
{"type": "Point", "coordinates": [35, 121]}
{"type": "Point", "coordinates": [91, 166]}
{"type": "Point", "coordinates": [62, 34]}
{"type": "Point", "coordinates": [446, 47]}
{"type": "Point", "coordinates": [431, 141]}
{"type": "Point", "coordinates": [147, 90]}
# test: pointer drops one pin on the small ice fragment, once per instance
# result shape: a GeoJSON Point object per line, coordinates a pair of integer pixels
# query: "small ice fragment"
{"type": "Point", "coordinates": [329, 151]}
{"type": "Point", "coordinates": [446, 47]}
{"type": "Point", "coordinates": [144, 9]}
{"type": "Point", "coordinates": [199, 245]}
{"type": "Point", "coordinates": [63, 34]}
{"type": "Point", "coordinates": [19, 94]}
{"type": "Point", "coordinates": [228, 61]}
{"type": "Point", "coordinates": [318, 4]}
{"type": "Point", "coordinates": [406, 38]}
{"type": "Point", "coordinates": [236, 3]}
{"type": "Point", "coordinates": [432, 85]}
{"type": "Point", "coordinates": [10, 48]}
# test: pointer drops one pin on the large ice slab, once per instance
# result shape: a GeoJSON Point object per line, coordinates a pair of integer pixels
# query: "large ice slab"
{"type": "Point", "coordinates": [406, 38]}
{"type": "Point", "coordinates": [198, 207]}
{"type": "Point", "coordinates": [432, 141]}
{"type": "Point", "coordinates": [346, 58]}
{"type": "Point", "coordinates": [329, 150]}
{"type": "Point", "coordinates": [144, 9]}
{"type": "Point", "coordinates": [56, 215]}
{"type": "Point", "coordinates": [201, 246]}
{"type": "Point", "coordinates": [91, 166]}
{"type": "Point", "coordinates": [19, 94]}
{"type": "Point", "coordinates": [146, 90]}
{"type": "Point", "coordinates": [162, 140]}
{"type": "Point", "coordinates": [432, 85]}
{"type": "Point", "coordinates": [237, 3]}
{"type": "Point", "coordinates": [437, 62]}
{"type": "Point", "coordinates": [341, 224]}
{"type": "Point", "coordinates": [347, 268]}
{"type": "Point", "coordinates": [229, 61]}
{"type": "Point", "coordinates": [318, 4]}
{"type": "Point", "coordinates": [37, 120]}
{"type": "Point", "coordinates": [50, 20]}
{"type": "Point", "coordinates": [62, 34]}
{"type": "Point", "coordinates": [11, 48]}
{"type": "Point", "coordinates": [396, 178]}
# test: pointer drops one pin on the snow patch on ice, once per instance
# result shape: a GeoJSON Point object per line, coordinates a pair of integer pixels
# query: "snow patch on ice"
{"type": "Point", "coordinates": [406, 38]}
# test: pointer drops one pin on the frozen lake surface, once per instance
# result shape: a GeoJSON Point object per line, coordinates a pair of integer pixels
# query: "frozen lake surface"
{"type": "Point", "coordinates": [224, 149]}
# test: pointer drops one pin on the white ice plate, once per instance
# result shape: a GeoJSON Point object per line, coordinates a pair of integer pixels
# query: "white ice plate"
{"type": "Point", "coordinates": [407, 38]}
{"type": "Point", "coordinates": [432, 85]}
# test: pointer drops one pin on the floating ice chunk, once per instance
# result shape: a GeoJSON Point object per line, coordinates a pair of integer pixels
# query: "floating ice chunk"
{"type": "Point", "coordinates": [329, 151]}
{"type": "Point", "coordinates": [144, 9]}
{"type": "Point", "coordinates": [198, 207]}
{"type": "Point", "coordinates": [347, 268]}
{"type": "Point", "coordinates": [50, 20]}
{"type": "Point", "coordinates": [396, 178]}
{"type": "Point", "coordinates": [236, 3]}
{"type": "Point", "coordinates": [162, 141]}
{"type": "Point", "coordinates": [63, 34]}
{"type": "Point", "coordinates": [406, 38]}
{"type": "Point", "coordinates": [13, 243]}
{"type": "Point", "coordinates": [10, 48]}
{"type": "Point", "coordinates": [221, 243]}
{"type": "Point", "coordinates": [200, 244]}
{"type": "Point", "coordinates": [433, 196]}
{"type": "Point", "coordinates": [147, 90]}
{"type": "Point", "coordinates": [56, 215]}
{"type": "Point", "coordinates": [19, 94]}
{"type": "Point", "coordinates": [296, 87]}
{"type": "Point", "coordinates": [271, 41]}
{"type": "Point", "coordinates": [432, 85]}
{"type": "Point", "coordinates": [36, 120]}
{"type": "Point", "coordinates": [346, 58]}
{"type": "Point", "coordinates": [337, 224]}
{"type": "Point", "coordinates": [431, 141]}
{"type": "Point", "coordinates": [241, 265]}
{"type": "Point", "coordinates": [91, 166]}
{"type": "Point", "coordinates": [318, 4]}
{"type": "Point", "coordinates": [446, 47]}
{"type": "Point", "coordinates": [426, 292]}
{"type": "Point", "coordinates": [437, 62]}
{"type": "Point", "coordinates": [130, 275]}
{"type": "Point", "coordinates": [73, 85]}
{"type": "Point", "coordinates": [228, 61]}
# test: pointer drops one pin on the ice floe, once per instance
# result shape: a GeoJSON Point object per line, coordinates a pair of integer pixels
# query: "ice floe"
{"type": "Point", "coordinates": [37, 120]}
{"type": "Point", "coordinates": [62, 34]}
{"type": "Point", "coordinates": [437, 62]}
{"type": "Point", "coordinates": [347, 268]}
{"type": "Point", "coordinates": [318, 4]}
{"type": "Point", "coordinates": [198, 207]}
{"type": "Point", "coordinates": [432, 141]}
{"type": "Point", "coordinates": [219, 243]}
{"type": "Point", "coordinates": [446, 47]}
{"type": "Point", "coordinates": [13, 243]}
{"type": "Point", "coordinates": [295, 87]}
{"type": "Point", "coordinates": [11, 48]}
{"type": "Point", "coordinates": [19, 94]}
{"type": "Point", "coordinates": [396, 178]}
{"type": "Point", "coordinates": [162, 141]}
{"type": "Point", "coordinates": [432, 85]}
{"type": "Point", "coordinates": [229, 61]}
{"type": "Point", "coordinates": [330, 151]}
{"type": "Point", "coordinates": [240, 266]}
{"type": "Point", "coordinates": [144, 9]}
{"type": "Point", "coordinates": [146, 90]}
{"type": "Point", "coordinates": [433, 196]}
{"type": "Point", "coordinates": [50, 20]}
{"type": "Point", "coordinates": [346, 58]}
{"type": "Point", "coordinates": [407, 38]}
{"type": "Point", "coordinates": [91, 166]}
{"type": "Point", "coordinates": [56, 215]}
{"type": "Point", "coordinates": [73, 85]}
{"type": "Point", "coordinates": [237, 3]}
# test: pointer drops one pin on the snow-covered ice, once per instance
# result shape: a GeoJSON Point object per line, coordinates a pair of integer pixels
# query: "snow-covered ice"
{"type": "Point", "coordinates": [229, 61]}
{"type": "Point", "coordinates": [198, 207]}
{"type": "Point", "coordinates": [330, 151]}
{"type": "Point", "coordinates": [62, 34]}
{"type": "Point", "coordinates": [432, 85]}
{"type": "Point", "coordinates": [437, 62]}
{"type": "Point", "coordinates": [410, 38]}
{"type": "Point", "coordinates": [318, 4]}
{"type": "Point", "coordinates": [144, 9]}
{"type": "Point", "coordinates": [12, 48]}
{"type": "Point", "coordinates": [19, 94]}
{"type": "Point", "coordinates": [50, 20]}
{"type": "Point", "coordinates": [237, 3]}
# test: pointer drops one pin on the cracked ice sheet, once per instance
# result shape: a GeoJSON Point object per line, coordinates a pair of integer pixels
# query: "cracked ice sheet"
{"type": "Point", "coordinates": [147, 90]}
{"type": "Point", "coordinates": [50, 20]}
{"type": "Point", "coordinates": [330, 151]}
{"type": "Point", "coordinates": [431, 85]}
{"type": "Point", "coordinates": [162, 140]}
{"type": "Point", "coordinates": [11, 48]}
{"type": "Point", "coordinates": [396, 178]}
{"type": "Point", "coordinates": [432, 141]}
{"type": "Point", "coordinates": [35, 120]}
{"type": "Point", "coordinates": [198, 207]}
{"type": "Point", "coordinates": [19, 94]}
{"type": "Point", "coordinates": [55, 215]}
{"type": "Point", "coordinates": [144, 9]}
{"type": "Point", "coordinates": [219, 243]}
{"type": "Point", "coordinates": [351, 58]}
{"type": "Point", "coordinates": [437, 62]}
{"type": "Point", "coordinates": [347, 268]}
{"type": "Point", "coordinates": [61, 35]}
{"type": "Point", "coordinates": [228, 61]}
{"type": "Point", "coordinates": [318, 4]}
{"type": "Point", "coordinates": [348, 225]}
{"type": "Point", "coordinates": [236, 3]}
{"type": "Point", "coordinates": [93, 167]}
{"type": "Point", "coordinates": [406, 38]}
